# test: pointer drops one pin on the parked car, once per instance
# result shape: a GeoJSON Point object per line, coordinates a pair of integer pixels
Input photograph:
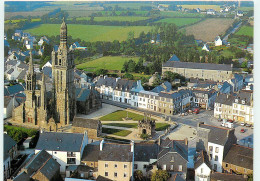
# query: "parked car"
{"type": "Point", "coordinates": [248, 125]}
{"type": "Point", "coordinates": [242, 130]}
{"type": "Point", "coordinates": [196, 111]}
{"type": "Point", "coordinates": [242, 124]}
{"type": "Point", "coordinates": [231, 121]}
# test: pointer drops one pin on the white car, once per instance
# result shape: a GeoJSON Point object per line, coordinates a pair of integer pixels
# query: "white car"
{"type": "Point", "coordinates": [242, 124]}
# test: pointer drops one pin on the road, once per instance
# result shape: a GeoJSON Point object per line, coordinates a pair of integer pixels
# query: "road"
{"type": "Point", "coordinates": [232, 31]}
{"type": "Point", "coordinates": [207, 117]}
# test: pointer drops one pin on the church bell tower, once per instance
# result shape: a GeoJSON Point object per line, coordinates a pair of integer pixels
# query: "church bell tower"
{"type": "Point", "coordinates": [63, 79]}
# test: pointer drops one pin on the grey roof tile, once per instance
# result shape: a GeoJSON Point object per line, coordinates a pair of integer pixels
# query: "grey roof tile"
{"type": "Point", "coordinates": [145, 151]}
{"type": "Point", "coordinates": [85, 123]}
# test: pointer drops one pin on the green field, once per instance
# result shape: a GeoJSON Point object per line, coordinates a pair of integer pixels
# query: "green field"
{"type": "Point", "coordinates": [109, 63]}
{"type": "Point", "coordinates": [115, 18]}
{"type": "Point", "coordinates": [245, 30]}
{"type": "Point", "coordinates": [180, 21]}
{"type": "Point", "coordinates": [159, 126]}
{"type": "Point", "coordinates": [203, 7]}
{"type": "Point", "coordinates": [118, 115]}
{"type": "Point", "coordinates": [117, 132]}
{"type": "Point", "coordinates": [90, 33]}
{"type": "Point", "coordinates": [180, 14]}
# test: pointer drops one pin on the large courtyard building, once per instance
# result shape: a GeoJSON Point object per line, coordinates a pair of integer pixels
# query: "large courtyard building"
{"type": "Point", "coordinates": [206, 71]}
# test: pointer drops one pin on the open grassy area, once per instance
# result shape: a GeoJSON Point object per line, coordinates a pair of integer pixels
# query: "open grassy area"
{"type": "Point", "coordinates": [159, 126]}
{"type": "Point", "coordinates": [90, 33]}
{"type": "Point", "coordinates": [118, 115]}
{"type": "Point", "coordinates": [117, 132]}
{"type": "Point", "coordinates": [246, 30]}
{"type": "Point", "coordinates": [181, 14]}
{"type": "Point", "coordinates": [202, 7]}
{"type": "Point", "coordinates": [180, 21]}
{"type": "Point", "coordinates": [109, 63]}
{"type": "Point", "coordinates": [115, 18]}
{"type": "Point", "coordinates": [209, 29]}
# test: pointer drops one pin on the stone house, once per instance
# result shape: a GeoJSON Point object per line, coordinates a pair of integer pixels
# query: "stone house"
{"type": "Point", "coordinates": [122, 90]}
{"type": "Point", "coordinates": [116, 161]}
{"type": "Point", "coordinates": [202, 167]}
{"type": "Point", "coordinates": [216, 141]}
{"type": "Point", "coordinates": [173, 156]}
{"type": "Point", "coordinates": [206, 47]}
{"type": "Point", "coordinates": [206, 71]}
{"type": "Point", "coordinates": [204, 98]}
{"type": "Point", "coordinates": [216, 176]}
{"type": "Point", "coordinates": [223, 107]}
{"type": "Point", "coordinates": [10, 152]}
{"type": "Point", "coordinates": [154, 77]}
{"type": "Point", "coordinates": [239, 160]}
{"type": "Point", "coordinates": [90, 155]}
{"type": "Point", "coordinates": [91, 126]}
{"type": "Point", "coordinates": [65, 148]}
{"type": "Point", "coordinates": [41, 167]}
{"type": "Point", "coordinates": [9, 104]}
{"type": "Point", "coordinates": [135, 93]}
{"type": "Point", "coordinates": [165, 87]}
{"type": "Point", "coordinates": [105, 86]}
{"type": "Point", "coordinates": [218, 41]}
{"type": "Point", "coordinates": [237, 82]}
{"type": "Point", "coordinates": [146, 100]}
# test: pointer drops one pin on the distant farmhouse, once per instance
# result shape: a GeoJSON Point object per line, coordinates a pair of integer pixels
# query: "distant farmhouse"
{"type": "Point", "coordinates": [218, 41]}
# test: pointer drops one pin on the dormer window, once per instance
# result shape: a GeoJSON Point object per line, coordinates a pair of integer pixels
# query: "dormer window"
{"type": "Point", "coordinates": [236, 100]}
{"type": "Point", "coordinates": [243, 101]}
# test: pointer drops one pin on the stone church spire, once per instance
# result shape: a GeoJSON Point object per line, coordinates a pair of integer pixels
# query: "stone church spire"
{"type": "Point", "coordinates": [63, 34]}
{"type": "Point", "coordinates": [31, 63]}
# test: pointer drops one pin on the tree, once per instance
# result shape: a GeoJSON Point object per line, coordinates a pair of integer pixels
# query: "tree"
{"type": "Point", "coordinates": [144, 136]}
{"type": "Point", "coordinates": [6, 50]}
{"type": "Point", "coordinates": [160, 175]}
{"type": "Point", "coordinates": [244, 64]}
{"type": "Point", "coordinates": [128, 76]}
{"type": "Point", "coordinates": [138, 175]}
{"type": "Point", "coordinates": [101, 72]}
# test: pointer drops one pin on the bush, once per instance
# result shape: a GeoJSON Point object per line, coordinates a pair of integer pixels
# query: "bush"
{"type": "Point", "coordinates": [18, 133]}
{"type": "Point", "coordinates": [145, 136]}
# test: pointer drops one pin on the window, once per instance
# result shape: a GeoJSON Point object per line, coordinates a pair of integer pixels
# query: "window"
{"type": "Point", "coordinates": [210, 148]}
{"type": "Point", "coordinates": [201, 170]}
{"type": "Point", "coordinates": [106, 165]}
{"type": "Point", "coordinates": [145, 166]}
{"type": "Point", "coordinates": [135, 166]}
{"type": "Point", "coordinates": [115, 174]}
{"type": "Point", "coordinates": [55, 152]}
{"type": "Point", "coordinates": [171, 167]}
{"type": "Point", "coordinates": [180, 168]}
{"type": "Point", "coordinates": [210, 156]}
{"type": "Point", "coordinates": [125, 165]}
{"type": "Point", "coordinates": [125, 175]}
{"type": "Point", "coordinates": [115, 165]}
{"type": "Point", "coordinates": [172, 159]}
{"type": "Point", "coordinates": [217, 149]}
{"type": "Point", "coordinates": [71, 154]}
{"type": "Point", "coordinates": [226, 165]}
{"type": "Point", "coordinates": [164, 167]}
{"type": "Point", "coordinates": [106, 174]}
{"type": "Point", "coordinates": [71, 160]}
{"type": "Point", "coordinates": [215, 167]}
{"type": "Point", "coordinates": [216, 158]}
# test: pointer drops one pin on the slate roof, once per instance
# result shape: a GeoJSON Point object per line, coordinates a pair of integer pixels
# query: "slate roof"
{"type": "Point", "coordinates": [107, 81]}
{"type": "Point", "coordinates": [172, 95]}
{"type": "Point", "coordinates": [58, 141]}
{"type": "Point", "coordinates": [247, 96]}
{"type": "Point", "coordinates": [224, 87]}
{"type": "Point", "coordinates": [178, 146]}
{"type": "Point", "coordinates": [7, 101]}
{"type": "Point", "coordinates": [11, 62]}
{"type": "Point", "coordinates": [22, 75]}
{"type": "Point", "coordinates": [101, 178]}
{"type": "Point", "coordinates": [175, 177]}
{"type": "Point", "coordinates": [82, 94]}
{"type": "Point", "coordinates": [22, 177]}
{"type": "Point", "coordinates": [240, 156]}
{"type": "Point", "coordinates": [23, 66]}
{"type": "Point", "coordinates": [174, 58]}
{"type": "Point", "coordinates": [226, 177]}
{"type": "Point", "coordinates": [145, 151]}
{"type": "Point", "coordinates": [85, 123]}
{"type": "Point", "coordinates": [192, 65]}
{"type": "Point", "coordinates": [166, 86]}
{"type": "Point", "coordinates": [91, 153]}
{"type": "Point", "coordinates": [44, 163]}
{"type": "Point", "coordinates": [10, 71]}
{"type": "Point", "coordinates": [8, 144]}
{"type": "Point", "coordinates": [125, 85]}
{"type": "Point", "coordinates": [47, 71]}
{"type": "Point", "coordinates": [202, 158]}
{"type": "Point", "coordinates": [217, 135]}
{"type": "Point", "coordinates": [6, 93]}
{"type": "Point", "coordinates": [15, 89]}
{"type": "Point", "coordinates": [226, 99]}
{"type": "Point", "coordinates": [238, 77]}
{"type": "Point", "coordinates": [116, 152]}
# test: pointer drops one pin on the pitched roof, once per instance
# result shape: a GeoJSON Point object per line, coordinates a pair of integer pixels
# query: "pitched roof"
{"type": "Point", "coordinates": [246, 96]}
{"type": "Point", "coordinates": [7, 101]}
{"type": "Point", "coordinates": [10, 71]}
{"type": "Point", "coordinates": [175, 177]}
{"type": "Point", "coordinates": [174, 58]}
{"type": "Point", "coordinates": [202, 158]}
{"type": "Point", "coordinates": [192, 65]}
{"type": "Point", "coordinates": [226, 177]}
{"type": "Point", "coordinates": [166, 86]}
{"type": "Point", "coordinates": [85, 123]}
{"type": "Point", "coordinates": [101, 178]}
{"type": "Point", "coordinates": [107, 81]}
{"type": "Point", "coordinates": [125, 85]}
{"type": "Point", "coordinates": [22, 75]}
{"type": "Point", "coordinates": [22, 177]}
{"type": "Point", "coordinates": [90, 153]}
{"type": "Point", "coordinates": [240, 156]}
{"type": "Point", "coordinates": [44, 163]}
{"type": "Point", "coordinates": [145, 151]}
{"type": "Point", "coordinates": [217, 135]}
{"type": "Point", "coordinates": [58, 141]}
{"type": "Point", "coordinates": [226, 99]}
{"type": "Point", "coordinates": [8, 144]}
{"type": "Point", "coordinates": [15, 89]}
{"type": "Point", "coordinates": [82, 94]}
{"type": "Point", "coordinates": [116, 152]}
{"type": "Point", "coordinates": [47, 71]}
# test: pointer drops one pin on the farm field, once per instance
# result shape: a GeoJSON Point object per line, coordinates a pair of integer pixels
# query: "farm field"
{"type": "Point", "coordinates": [245, 30]}
{"type": "Point", "coordinates": [109, 63]}
{"type": "Point", "coordinates": [202, 7]}
{"type": "Point", "coordinates": [181, 14]}
{"type": "Point", "coordinates": [18, 20]}
{"type": "Point", "coordinates": [208, 29]}
{"type": "Point", "coordinates": [118, 115]}
{"type": "Point", "coordinates": [180, 21]}
{"type": "Point", "coordinates": [115, 18]}
{"type": "Point", "coordinates": [90, 33]}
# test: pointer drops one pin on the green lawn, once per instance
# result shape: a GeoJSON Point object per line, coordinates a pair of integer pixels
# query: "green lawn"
{"type": "Point", "coordinates": [117, 132]}
{"type": "Point", "coordinates": [159, 126]}
{"type": "Point", "coordinates": [180, 14]}
{"type": "Point", "coordinates": [180, 21]}
{"type": "Point", "coordinates": [245, 30]}
{"type": "Point", "coordinates": [115, 18]}
{"type": "Point", "coordinates": [118, 115]}
{"type": "Point", "coordinates": [90, 33]}
{"type": "Point", "coordinates": [109, 63]}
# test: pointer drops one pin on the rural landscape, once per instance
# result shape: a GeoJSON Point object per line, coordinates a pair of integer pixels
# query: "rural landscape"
{"type": "Point", "coordinates": [129, 90]}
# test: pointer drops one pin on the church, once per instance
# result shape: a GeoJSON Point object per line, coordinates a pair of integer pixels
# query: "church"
{"type": "Point", "coordinates": [56, 108]}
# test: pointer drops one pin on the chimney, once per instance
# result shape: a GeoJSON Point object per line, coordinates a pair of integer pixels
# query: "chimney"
{"type": "Point", "coordinates": [159, 140]}
{"type": "Point", "coordinates": [41, 130]}
{"type": "Point", "coordinates": [132, 146]}
{"type": "Point", "coordinates": [101, 145]}
{"type": "Point", "coordinates": [228, 132]}
{"type": "Point", "coordinates": [117, 78]}
{"type": "Point", "coordinates": [186, 141]}
{"type": "Point", "coordinates": [200, 123]}
{"type": "Point", "coordinates": [105, 76]}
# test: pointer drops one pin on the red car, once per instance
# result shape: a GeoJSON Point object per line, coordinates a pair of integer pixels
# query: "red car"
{"type": "Point", "coordinates": [242, 130]}
{"type": "Point", "coordinates": [196, 110]}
